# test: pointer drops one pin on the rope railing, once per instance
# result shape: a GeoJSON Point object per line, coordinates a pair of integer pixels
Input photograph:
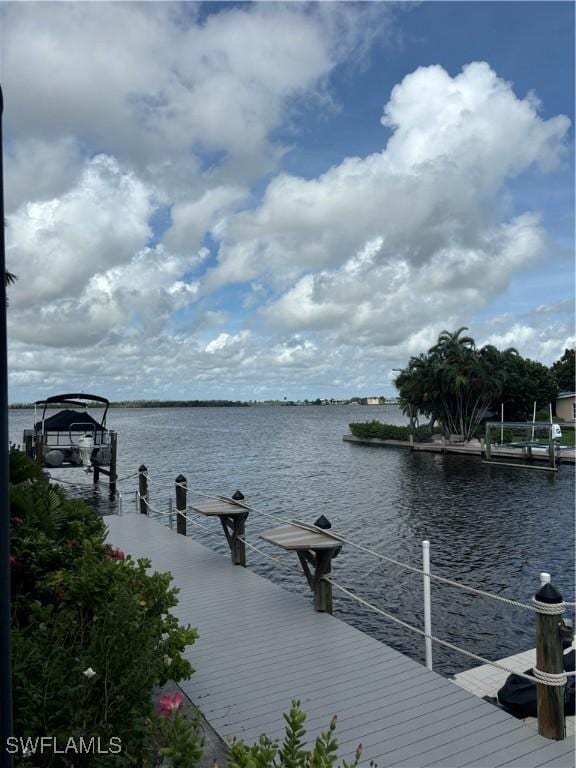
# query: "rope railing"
{"type": "Point", "coordinates": [266, 555]}
{"type": "Point", "coordinates": [366, 550]}
{"type": "Point", "coordinates": [542, 677]}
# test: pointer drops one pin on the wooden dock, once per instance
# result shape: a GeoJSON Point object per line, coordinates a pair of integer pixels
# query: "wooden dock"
{"type": "Point", "coordinates": [261, 646]}
{"type": "Point", "coordinates": [473, 448]}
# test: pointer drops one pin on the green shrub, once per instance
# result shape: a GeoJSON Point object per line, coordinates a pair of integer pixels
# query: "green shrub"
{"type": "Point", "coordinates": [92, 631]}
{"type": "Point", "coordinates": [267, 753]}
{"type": "Point", "coordinates": [370, 429]}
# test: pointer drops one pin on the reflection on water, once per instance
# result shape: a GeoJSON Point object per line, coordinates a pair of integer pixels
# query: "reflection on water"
{"type": "Point", "coordinates": [491, 527]}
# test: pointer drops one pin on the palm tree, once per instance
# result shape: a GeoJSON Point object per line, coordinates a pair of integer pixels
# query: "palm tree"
{"type": "Point", "coordinates": [9, 279]}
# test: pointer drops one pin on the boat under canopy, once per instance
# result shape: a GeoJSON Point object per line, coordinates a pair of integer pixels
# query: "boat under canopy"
{"type": "Point", "coordinates": [70, 437]}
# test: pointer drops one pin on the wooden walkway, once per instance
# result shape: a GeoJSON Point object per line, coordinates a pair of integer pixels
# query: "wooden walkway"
{"type": "Point", "coordinates": [261, 646]}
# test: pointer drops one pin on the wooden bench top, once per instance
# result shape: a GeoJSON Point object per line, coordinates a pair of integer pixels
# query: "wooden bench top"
{"type": "Point", "coordinates": [292, 537]}
{"type": "Point", "coordinates": [218, 507]}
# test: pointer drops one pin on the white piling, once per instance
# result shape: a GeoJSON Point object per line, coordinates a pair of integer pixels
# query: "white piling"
{"type": "Point", "coordinates": [544, 578]}
{"type": "Point", "coordinates": [119, 503]}
{"type": "Point", "coordinates": [427, 603]}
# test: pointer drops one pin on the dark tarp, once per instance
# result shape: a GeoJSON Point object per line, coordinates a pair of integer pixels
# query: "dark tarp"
{"type": "Point", "coordinates": [64, 421]}
{"type": "Point", "coordinates": [518, 695]}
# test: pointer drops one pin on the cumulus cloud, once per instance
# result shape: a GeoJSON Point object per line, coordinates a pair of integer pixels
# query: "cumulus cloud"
{"type": "Point", "coordinates": [379, 246]}
{"type": "Point", "coordinates": [183, 83]}
{"type": "Point", "coordinates": [135, 176]}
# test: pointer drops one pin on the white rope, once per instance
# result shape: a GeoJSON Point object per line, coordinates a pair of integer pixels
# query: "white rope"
{"type": "Point", "coordinates": [208, 531]}
{"type": "Point", "coordinates": [437, 639]}
{"type": "Point", "coordinates": [378, 555]}
{"type": "Point", "coordinates": [549, 678]}
{"type": "Point", "coordinates": [269, 557]}
{"type": "Point", "coordinates": [550, 609]}
{"type": "Point", "coordinates": [127, 477]}
{"type": "Point", "coordinates": [442, 579]}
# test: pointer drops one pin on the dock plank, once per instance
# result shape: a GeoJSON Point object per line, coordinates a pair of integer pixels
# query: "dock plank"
{"type": "Point", "coordinates": [261, 646]}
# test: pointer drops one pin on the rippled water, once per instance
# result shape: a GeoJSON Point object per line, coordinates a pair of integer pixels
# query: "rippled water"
{"type": "Point", "coordinates": [490, 527]}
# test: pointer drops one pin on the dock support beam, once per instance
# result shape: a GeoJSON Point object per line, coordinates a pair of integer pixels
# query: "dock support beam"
{"type": "Point", "coordinates": [488, 444]}
{"type": "Point", "coordinates": [181, 492]}
{"type": "Point", "coordinates": [321, 561]}
{"type": "Point", "coordinates": [143, 489]}
{"type": "Point", "coordinates": [234, 527]}
{"type": "Point", "coordinates": [549, 659]}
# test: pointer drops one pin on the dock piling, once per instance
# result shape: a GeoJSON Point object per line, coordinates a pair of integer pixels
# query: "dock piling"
{"type": "Point", "coordinates": [170, 513]}
{"type": "Point", "coordinates": [181, 492]}
{"type": "Point", "coordinates": [549, 660]}
{"type": "Point", "coordinates": [143, 489]}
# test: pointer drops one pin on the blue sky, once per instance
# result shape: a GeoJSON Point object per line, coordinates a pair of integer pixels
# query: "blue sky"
{"type": "Point", "coordinates": [265, 200]}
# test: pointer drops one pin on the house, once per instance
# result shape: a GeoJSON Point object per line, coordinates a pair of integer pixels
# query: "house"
{"type": "Point", "coordinates": [566, 406]}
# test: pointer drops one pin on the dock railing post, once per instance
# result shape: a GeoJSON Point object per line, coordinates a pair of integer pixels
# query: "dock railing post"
{"type": "Point", "coordinates": [427, 604]}
{"type": "Point", "coordinates": [181, 491]}
{"type": "Point", "coordinates": [113, 460]}
{"type": "Point", "coordinates": [143, 489]}
{"type": "Point", "coordinates": [550, 660]}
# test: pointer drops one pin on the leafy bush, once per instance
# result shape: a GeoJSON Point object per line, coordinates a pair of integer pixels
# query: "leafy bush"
{"type": "Point", "coordinates": [389, 431]}
{"type": "Point", "coordinates": [267, 753]}
{"type": "Point", "coordinates": [92, 629]}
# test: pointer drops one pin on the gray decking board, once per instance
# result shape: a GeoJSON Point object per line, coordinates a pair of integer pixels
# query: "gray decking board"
{"type": "Point", "coordinates": [261, 646]}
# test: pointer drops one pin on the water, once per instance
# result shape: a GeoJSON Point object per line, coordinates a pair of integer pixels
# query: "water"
{"type": "Point", "coordinates": [490, 527]}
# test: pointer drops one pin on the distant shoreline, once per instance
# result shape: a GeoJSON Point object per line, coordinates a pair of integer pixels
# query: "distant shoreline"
{"type": "Point", "coordinates": [209, 404]}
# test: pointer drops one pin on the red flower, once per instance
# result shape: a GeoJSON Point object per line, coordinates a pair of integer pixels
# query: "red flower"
{"type": "Point", "coordinates": [17, 521]}
{"type": "Point", "coordinates": [118, 554]}
{"type": "Point", "coordinates": [170, 703]}
{"type": "Point", "coordinates": [60, 595]}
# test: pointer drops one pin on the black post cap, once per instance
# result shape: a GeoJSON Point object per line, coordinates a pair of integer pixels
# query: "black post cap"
{"type": "Point", "coordinates": [180, 479]}
{"type": "Point", "coordinates": [548, 594]}
{"type": "Point", "coordinates": [323, 522]}
{"type": "Point", "coordinates": [237, 495]}
{"type": "Point", "coordinates": [142, 468]}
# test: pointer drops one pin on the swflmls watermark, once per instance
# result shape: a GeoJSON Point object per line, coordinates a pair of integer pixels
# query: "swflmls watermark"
{"type": "Point", "coordinates": [26, 746]}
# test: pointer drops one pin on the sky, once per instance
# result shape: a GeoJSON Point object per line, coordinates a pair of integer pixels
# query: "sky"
{"type": "Point", "coordinates": [273, 200]}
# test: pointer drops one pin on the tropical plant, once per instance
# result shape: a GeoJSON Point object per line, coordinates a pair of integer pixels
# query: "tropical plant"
{"type": "Point", "coordinates": [92, 629]}
{"type": "Point", "coordinates": [453, 383]}
{"type": "Point", "coordinates": [292, 753]}
{"type": "Point", "coordinates": [564, 371]}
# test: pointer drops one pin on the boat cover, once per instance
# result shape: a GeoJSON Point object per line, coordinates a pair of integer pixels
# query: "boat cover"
{"type": "Point", "coordinates": [518, 695]}
{"type": "Point", "coordinates": [67, 420]}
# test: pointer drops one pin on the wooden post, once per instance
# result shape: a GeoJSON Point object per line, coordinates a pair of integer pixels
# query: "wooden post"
{"type": "Point", "coordinates": [549, 658]}
{"type": "Point", "coordinates": [95, 474]}
{"type": "Point", "coordinates": [143, 489]}
{"type": "Point", "coordinates": [238, 548]}
{"type": "Point", "coordinates": [323, 588]}
{"type": "Point", "coordinates": [170, 514]}
{"type": "Point", "coordinates": [551, 450]}
{"type": "Point", "coordinates": [488, 445]}
{"type": "Point", "coordinates": [181, 491]}
{"type": "Point", "coordinates": [113, 456]}
{"type": "Point", "coordinates": [39, 449]}
{"type": "Point", "coordinates": [28, 443]}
